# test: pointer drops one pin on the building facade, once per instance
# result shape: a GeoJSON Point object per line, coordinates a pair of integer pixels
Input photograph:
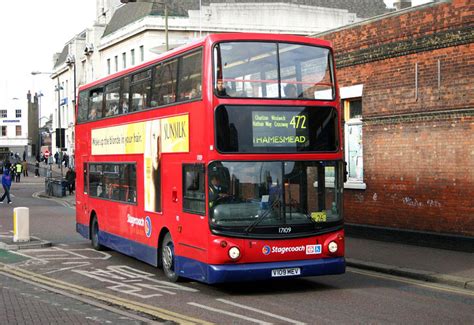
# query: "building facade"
{"type": "Point", "coordinates": [19, 127]}
{"type": "Point", "coordinates": [407, 85]}
{"type": "Point", "coordinates": [126, 35]}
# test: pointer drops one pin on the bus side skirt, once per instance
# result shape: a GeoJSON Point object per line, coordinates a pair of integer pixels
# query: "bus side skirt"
{"type": "Point", "coordinates": [142, 252]}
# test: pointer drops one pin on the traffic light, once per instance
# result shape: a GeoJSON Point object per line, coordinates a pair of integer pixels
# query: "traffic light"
{"type": "Point", "coordinates": [60, 138]}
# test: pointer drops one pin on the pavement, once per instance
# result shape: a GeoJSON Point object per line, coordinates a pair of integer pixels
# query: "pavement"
{"type": "Point", "coordinates": [435, 265]}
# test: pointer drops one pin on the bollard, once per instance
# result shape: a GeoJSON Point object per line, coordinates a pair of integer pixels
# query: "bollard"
{"type": "Point", "coordinates": [21, 225]}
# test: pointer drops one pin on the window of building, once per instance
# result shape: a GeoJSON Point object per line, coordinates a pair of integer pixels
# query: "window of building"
{"type": "Point", "coordinates": [132, 57]}
{"type": "Point", "coordinates": [84, 70]}
{"type": "Point", "coordinates": [193, 189]}
{"type": "Point", "coordinates": [3, 113]}
{"type": "Point", "coordinates": [124, 60]}
{"type": "Point", "coordinates": [142, 53]}
{"type": "Point", "coordinates": [4, 130]}
{"type": "Point", "coordinates": [353, 140]}
{"type": "Point", "coordinates": [116, 63]}
{"type": "Point", "coordinates": [18, 113]}
{"type": "Point", "coordinates": [109, 71]}
{"type": "Point", "coordinates": [18, 130]}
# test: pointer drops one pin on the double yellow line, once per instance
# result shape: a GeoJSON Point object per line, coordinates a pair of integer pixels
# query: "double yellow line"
{"type": "Point", "coordinates": [101, 296]}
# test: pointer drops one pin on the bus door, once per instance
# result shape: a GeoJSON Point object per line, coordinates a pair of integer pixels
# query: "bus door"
{"type": "Point", "coordinates": [82, 190]}
{"type": "Point", "coordinates": [193, 223]}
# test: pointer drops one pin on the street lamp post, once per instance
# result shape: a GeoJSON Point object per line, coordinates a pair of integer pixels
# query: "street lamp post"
{"type": "Point", "coordinates": [58, 89]}
{"type": "Point", "coordinates": [60, 137]}
{"type": "Point", "coordinates": [39, 126]}
{"type": "Point", "coordinates": [71, 62]}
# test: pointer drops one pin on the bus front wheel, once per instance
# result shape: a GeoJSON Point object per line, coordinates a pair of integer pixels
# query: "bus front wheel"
{"type": "Point", "coordinates": [167, 258]}
{"type": "Point", "coordinates": [95, 235]}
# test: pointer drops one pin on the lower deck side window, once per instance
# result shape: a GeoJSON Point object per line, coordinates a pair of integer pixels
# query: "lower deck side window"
{"type": "Point", "coordinates": [113, 181]}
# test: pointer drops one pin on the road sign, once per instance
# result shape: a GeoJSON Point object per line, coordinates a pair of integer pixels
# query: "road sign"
{"type": "Point", "coordinates": [46, 153]}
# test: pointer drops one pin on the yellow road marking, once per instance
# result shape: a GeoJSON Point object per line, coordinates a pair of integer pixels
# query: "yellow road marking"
{"type": "Point", "coordinates": [98, 295]}
{"type": "Point", "coordinates": [414, 282]}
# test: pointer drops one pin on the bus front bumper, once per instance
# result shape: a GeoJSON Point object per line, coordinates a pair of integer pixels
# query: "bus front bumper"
{"type": "Point", "coordinates": [265, 271]}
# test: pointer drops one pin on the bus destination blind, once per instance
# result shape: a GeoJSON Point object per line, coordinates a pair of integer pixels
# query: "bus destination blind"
{"type": "Point", "coordinates": [280, 129]}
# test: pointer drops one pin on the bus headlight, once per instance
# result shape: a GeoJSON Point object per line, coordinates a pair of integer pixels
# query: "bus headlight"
{"type": "Point", "coordinates": [332, 247]}
{"type": "Point", "coordinates": [234, 253]}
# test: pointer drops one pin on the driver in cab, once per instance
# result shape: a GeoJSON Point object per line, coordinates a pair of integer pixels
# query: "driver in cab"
{"type": "Point", "coordinates": [215, 190]}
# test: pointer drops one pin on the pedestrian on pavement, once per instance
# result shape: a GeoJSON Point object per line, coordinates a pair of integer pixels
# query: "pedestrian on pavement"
{"type": "Point", "coordinates": [24, 167]}
{"type": "Point", "coordinates": [13, 170]}
{"type": "Point", "coordinates": [7, 164]}
{"type": "Point", "coordinates": [37, 167]}
{"type": "Point", "coordinates": [56, 158]}
{"type": "Point", "coordinates": [18, 168]}
{"type": "Point", "coordinates": [66, 160]}
{"type": "Point", "coordinates": [71, 179]}
{"type": "Point", "coordinates": [6, 183]}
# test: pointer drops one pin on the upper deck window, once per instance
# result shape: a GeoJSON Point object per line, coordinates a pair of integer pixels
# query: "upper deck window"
{"type": "Point", "coordinates": [174, 81]}
{"type": "Point", "coordinates": [273, 70]}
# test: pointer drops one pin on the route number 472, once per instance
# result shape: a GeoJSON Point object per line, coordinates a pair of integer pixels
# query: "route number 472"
{"type": "Point", "coordinates": [298, 122]}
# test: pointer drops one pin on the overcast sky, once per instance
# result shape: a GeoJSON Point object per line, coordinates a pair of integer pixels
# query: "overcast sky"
{"type": "Point", "coordinates": [31, 32]}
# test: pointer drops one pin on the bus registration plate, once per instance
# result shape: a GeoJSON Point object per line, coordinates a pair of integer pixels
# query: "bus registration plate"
{"type": "Point", "coordinates": [286, 272]}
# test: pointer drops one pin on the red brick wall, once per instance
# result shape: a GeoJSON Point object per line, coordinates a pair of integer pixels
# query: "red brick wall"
{"type": "Point", "coordinates": [418, 152]}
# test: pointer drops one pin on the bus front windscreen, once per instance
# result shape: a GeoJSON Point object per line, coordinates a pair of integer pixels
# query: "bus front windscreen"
{"type": "Point", "coordinates": [274, 198]}
{"type": "Point", "coordinates": [271, 129]}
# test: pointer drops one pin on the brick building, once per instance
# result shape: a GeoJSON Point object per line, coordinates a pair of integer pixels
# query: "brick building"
{"type": "Point", "coordinates": [407, 86]}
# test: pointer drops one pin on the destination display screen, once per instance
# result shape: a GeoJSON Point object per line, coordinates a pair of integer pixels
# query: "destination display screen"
{"type": "Point", "coordinates": [267, 129]}
{"type": "Point", "coordinates": [280, 129]}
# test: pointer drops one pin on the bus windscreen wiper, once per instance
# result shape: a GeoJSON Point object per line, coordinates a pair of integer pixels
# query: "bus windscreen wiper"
{"type": "Point", "coordinates": [262, 216]}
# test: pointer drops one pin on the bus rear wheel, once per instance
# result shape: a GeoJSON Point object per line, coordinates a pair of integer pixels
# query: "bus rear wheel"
{"type": "Point", "coordinates": [95, 235]}
{"type": "Point", "coordinates": [168, 259]}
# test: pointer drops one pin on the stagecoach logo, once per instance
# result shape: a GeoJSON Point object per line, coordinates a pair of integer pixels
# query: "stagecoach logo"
{"type": "Point", "coordinates": [266, 250]}
{"type": "Point", "coordinates": [308, 249]}
{"type": "Point", "coordinates": [147, 226]}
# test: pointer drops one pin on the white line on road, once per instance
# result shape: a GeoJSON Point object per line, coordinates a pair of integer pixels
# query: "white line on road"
{"type": "Point", "coordinates": [289, 320]}
{"type": "Point", "coordinates": [85, 300]}
{"type": "Point", "coordinates": [434, 286]}
{"type": "Point", "coordinates": [253, 320]}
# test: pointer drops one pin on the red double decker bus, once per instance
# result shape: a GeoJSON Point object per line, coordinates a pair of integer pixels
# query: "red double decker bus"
{"type": "Point", "coordinates": [218, 161]}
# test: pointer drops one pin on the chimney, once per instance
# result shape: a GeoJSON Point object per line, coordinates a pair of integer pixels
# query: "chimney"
{"type": "Point", "coordinates": [402, 4]}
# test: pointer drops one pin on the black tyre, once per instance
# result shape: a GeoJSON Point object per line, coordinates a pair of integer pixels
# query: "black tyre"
{"type": "Point", "coordinates": [95, 235]}
{"type": "Point", "coordinates": [167, 258]}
